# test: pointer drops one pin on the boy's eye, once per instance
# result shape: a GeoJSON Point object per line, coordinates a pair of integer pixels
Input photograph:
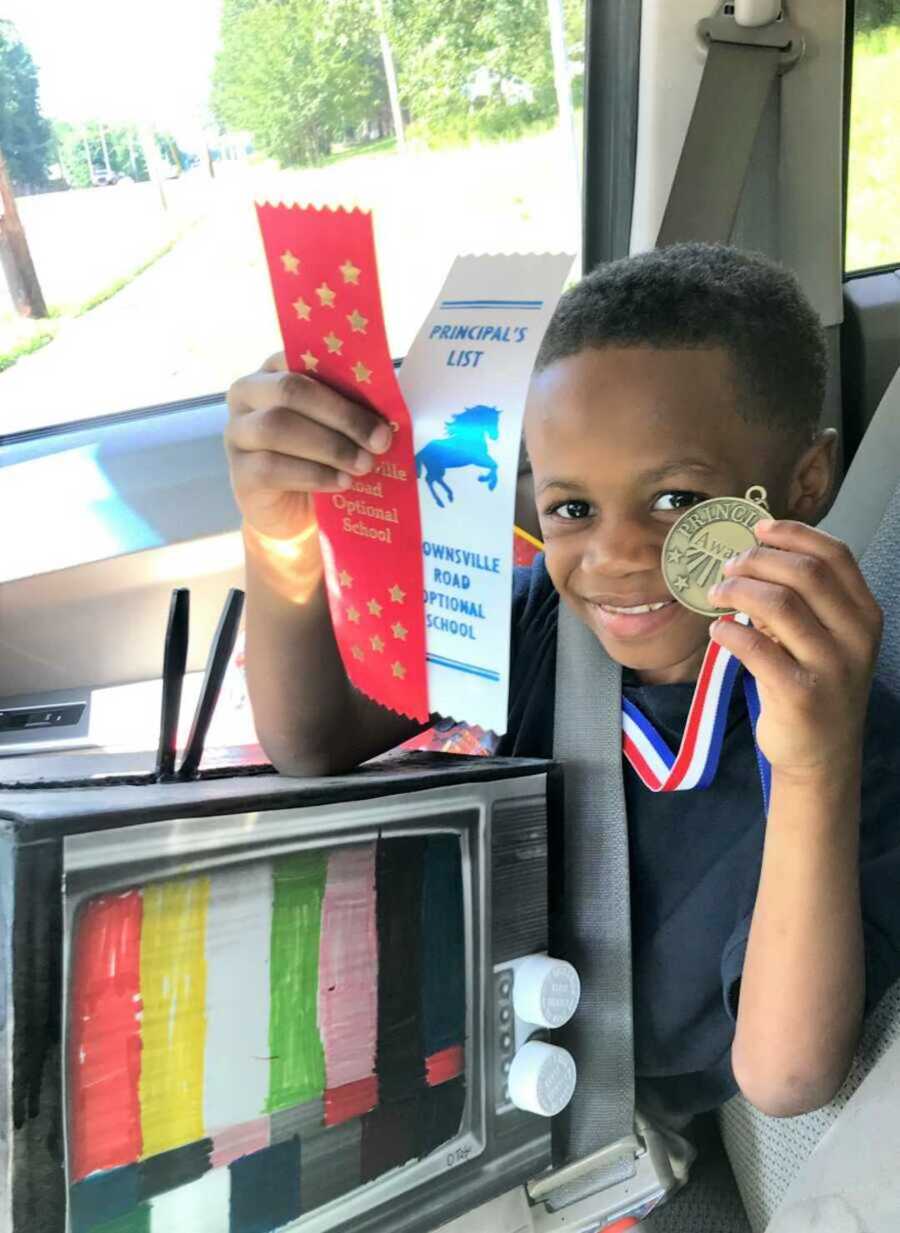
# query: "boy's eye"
{"type": "Point", "coordinates": [676, 500]}
{"type": "Point", "coordinates": [570, 511]}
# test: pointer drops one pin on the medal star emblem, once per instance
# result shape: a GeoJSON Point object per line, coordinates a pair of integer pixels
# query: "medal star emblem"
{"type": "Point", "coordinates": [377, 644]}
{"type": "Point", "coordinates": [676, 555]}
{"type": "Point", "coordinates": [357, 653]}
{"type": "Point", "coordinates": [302, 309]}
{"type": "Point", "coordinates": [681, 583]}
{"type": "Point", "coordinates": [349, 272]}
{"type": "Point", "coordinates": [397, 595]}
{"type": "Point", "coordinates": [353, 615]}
{"type": "Point", "coordinates": [398, 630]}
{"type": "Point", "coordinates": [310, 361]}
{"type": "Point", "coordinates": [326, 296]}
{"type": "Point", "coordinates": [290, 262]}
{"type": "Point", "coordinates": [398, 670]}
{"type": "Point", "coordinates": [361, 373]}
{"type": "Point", "coordinates": [358, 322]}
{"type": "Point", "coordinates": [333, 343]}
{"type": "Point", "coordinates": [345, 579]}
{"type": "Point", "coordinates": [374, 607]}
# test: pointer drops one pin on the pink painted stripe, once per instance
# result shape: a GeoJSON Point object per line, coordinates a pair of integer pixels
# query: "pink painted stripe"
{"type": "Point", "coordinates": [348, 967]}
{"type": "Point", "coordinates": [444, 1065]}
{"type": "Point", "coordinates": [237, 1141]}
{"type": "Point", "coordinates": [352, 1100]}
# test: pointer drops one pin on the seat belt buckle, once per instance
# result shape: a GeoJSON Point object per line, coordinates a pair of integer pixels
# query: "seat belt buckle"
{"type": "Point", "coordinates": [652, 1181]}
{"type": "Point", "coordinates": [780, 34]}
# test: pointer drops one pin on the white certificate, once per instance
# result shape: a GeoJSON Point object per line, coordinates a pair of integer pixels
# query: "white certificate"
{"type": "Point", "coordinates": [465, 380]}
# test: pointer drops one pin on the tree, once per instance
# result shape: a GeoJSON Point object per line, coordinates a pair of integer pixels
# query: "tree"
{"type": "Point", "coordinates": [25, 137]}
{"type": "Point", "coordinates": [298, 74]}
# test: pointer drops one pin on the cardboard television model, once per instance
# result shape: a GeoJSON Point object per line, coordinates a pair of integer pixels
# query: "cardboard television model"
{"type": "Point", "coordinates": [267, 1004]}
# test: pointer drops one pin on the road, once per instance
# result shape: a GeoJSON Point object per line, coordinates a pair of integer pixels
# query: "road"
{"type": "Point", "coordinates": [203, 314]}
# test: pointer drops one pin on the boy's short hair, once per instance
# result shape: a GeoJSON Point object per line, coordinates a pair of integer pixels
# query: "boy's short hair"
{"type": "Point", "coordinates": [702, 296]}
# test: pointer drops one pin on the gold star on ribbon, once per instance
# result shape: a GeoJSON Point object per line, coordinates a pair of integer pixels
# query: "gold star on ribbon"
{"type": "Point", "coordinates": [333, 343]}
{"type": "Point", "coordinates": [345, 579]}
{"type": "Point", "coordinates": [326, 296]}
{"type": "Point", "coordinates": [302, 309]}
{"type": "Point", "coordinates": [353, 615]}
{"type": "Point", "coordinates": [377, 644]}
{"type": "Point", "coordinates": [309, 360]}
{"type": "Point", "coordinates": [398, 670]}
{"type": "Point", "coordinates": [357, 653]}
{"type": "Point", "coordinates": [290, 262]}
{"type": "Point", "coordinates": [358, 322]}
{"type": "Point", "coordinates": [360, 372]}
{"type": "Point", "coordinates": [374, 607]}
{"type": "Point", "coordinates": [398, 630]}
{"type": "Point", "coordinates": [349, 272]}
{"type": "Point", "coordinates": [397, 595]}
{"type": "Point", "coordinates": [681, 583]}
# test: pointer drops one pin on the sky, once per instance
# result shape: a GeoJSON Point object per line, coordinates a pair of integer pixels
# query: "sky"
{"type": "Point", "coordinates": [121, 60]}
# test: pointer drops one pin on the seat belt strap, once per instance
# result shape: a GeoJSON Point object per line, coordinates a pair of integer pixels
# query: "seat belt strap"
{"type": "Point", "coordinates": [596, 915]}
{"type": "Point", "coordinates": [716, 153]}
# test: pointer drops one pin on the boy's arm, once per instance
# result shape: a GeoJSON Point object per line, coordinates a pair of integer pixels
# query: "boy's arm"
{"type": "Point", "coordinates": [812, 649]}
{"type": "Point", "coordinates": [803, 986]}
{"type": "Point", "coordinates": [287, 438]}
{"type": "Point", "coordinates": [309, 718]}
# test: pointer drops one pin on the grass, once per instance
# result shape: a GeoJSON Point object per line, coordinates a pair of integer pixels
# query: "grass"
{"type": "Point", "coordinates": [873, 187]}
{"type": "Point", "coordinates": [26, 346]}
{"type": "Point", "coordinates": [31, 336]}
{"type": "Point", "coordinates": [386, 145]}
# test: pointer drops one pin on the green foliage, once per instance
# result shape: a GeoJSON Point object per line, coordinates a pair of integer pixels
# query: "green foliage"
{"type": "Point", "coordinates": [300, 75]}
{"type": "Point", "coordinates": [876, 14]}
{"type": "Point", "coordinates": [80, 148]}
{"type": "Point", "coordinates": [24, 133]}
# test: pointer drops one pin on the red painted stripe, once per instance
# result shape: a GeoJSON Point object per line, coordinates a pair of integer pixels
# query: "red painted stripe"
{"type": "Point", "coordinates": [689, 740]}
{"type": "Point", "coordinates": [105, 1036]}
{"type": "Point", "coordinates": [639, 762]}
{"type": "Point", "coordinates": [445, 1064]}
{"type": "Point", "coordinates": [350, 1100]}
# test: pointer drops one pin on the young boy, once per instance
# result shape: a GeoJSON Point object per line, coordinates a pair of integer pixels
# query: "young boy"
{"type": "Point", "coordinates": [663, 380]}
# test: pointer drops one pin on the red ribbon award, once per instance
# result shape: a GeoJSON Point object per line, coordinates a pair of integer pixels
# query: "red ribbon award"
{"type": "Point", "coordinates": [325, 281]}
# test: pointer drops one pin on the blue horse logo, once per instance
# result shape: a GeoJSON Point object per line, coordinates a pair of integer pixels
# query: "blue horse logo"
{"type": "Point", "coordinates": [464, 444]}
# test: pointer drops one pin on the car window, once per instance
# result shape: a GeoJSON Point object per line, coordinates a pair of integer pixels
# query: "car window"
{"type": "Point", "coordinates": [873, 172]}
{"type": "Point", "coordinates": [137, 137]}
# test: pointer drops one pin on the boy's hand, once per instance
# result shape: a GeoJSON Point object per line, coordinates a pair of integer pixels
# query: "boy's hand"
{"type": "Point", "coordinates": [812, 649]}
{"type": "Point", "coordinates": [289, 436]}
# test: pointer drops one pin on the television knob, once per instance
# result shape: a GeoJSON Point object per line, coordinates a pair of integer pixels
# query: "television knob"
{"type": "Point", "coordinates": [546, 991]}
{"type": "Point", "coordinates": [542, 1078]}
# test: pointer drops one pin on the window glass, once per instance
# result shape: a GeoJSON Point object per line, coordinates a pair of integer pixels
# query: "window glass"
{"type": "Point", "coordinates": [136, 138]}
{"type": "Point", "coordinates": [873, 184]}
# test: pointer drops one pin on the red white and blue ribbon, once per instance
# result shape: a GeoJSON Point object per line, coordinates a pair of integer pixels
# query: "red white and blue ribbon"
{"type": "Point", "coordinates": [697, 759]}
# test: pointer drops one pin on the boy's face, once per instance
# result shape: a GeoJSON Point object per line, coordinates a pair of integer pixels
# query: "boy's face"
{"type": "Point", "coordinates": [621, 441]}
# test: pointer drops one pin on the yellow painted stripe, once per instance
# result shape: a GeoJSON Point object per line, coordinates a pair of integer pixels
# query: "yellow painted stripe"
{"type": "Point", "coordinates": [173, 1026]}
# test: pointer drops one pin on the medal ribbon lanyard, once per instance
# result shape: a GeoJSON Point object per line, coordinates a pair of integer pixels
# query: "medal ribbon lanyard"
{"type": "Point", "coordinates": [697, 760]}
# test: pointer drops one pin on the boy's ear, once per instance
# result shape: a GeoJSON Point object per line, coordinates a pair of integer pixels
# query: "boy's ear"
{"type": "Point", "coordinates": [812, 478]}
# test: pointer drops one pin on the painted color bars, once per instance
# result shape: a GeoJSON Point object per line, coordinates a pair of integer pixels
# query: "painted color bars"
{"type": "Point", "coordinates": [247, 1045]}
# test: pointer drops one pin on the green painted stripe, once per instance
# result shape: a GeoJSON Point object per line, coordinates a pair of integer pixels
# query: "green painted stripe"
{"type": "Point", "coordinates": [297, 1068]}
{"type": "Point", "coordinates": [135, 1221]}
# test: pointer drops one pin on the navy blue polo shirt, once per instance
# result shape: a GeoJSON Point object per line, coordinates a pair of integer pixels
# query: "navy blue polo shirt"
{"type": "Point", "coordinates": [695, 864]}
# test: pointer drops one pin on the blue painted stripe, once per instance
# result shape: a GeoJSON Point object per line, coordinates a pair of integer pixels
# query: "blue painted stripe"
{"type": "Point", "coordinates": [472, 669]}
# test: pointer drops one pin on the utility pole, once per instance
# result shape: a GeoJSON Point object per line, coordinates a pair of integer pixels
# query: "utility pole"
{"type": "Point", "coordinates": [393, 93]}
{"type": "Point", "coordinates": [105, 148]}
{"type": "Point", "coordinates": [152, 159]}
{"type": "Point", "coordinates": [15, 258]}
{"type": "Point", "coordinates": [563, 82]}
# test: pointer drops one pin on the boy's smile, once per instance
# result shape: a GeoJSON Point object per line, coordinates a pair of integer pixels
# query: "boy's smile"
{"type": "Point", "coordinates": [621, 442]}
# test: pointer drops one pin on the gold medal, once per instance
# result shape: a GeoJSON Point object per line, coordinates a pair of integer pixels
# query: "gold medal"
{"type": "Point", "coordinates": [703, 539]}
